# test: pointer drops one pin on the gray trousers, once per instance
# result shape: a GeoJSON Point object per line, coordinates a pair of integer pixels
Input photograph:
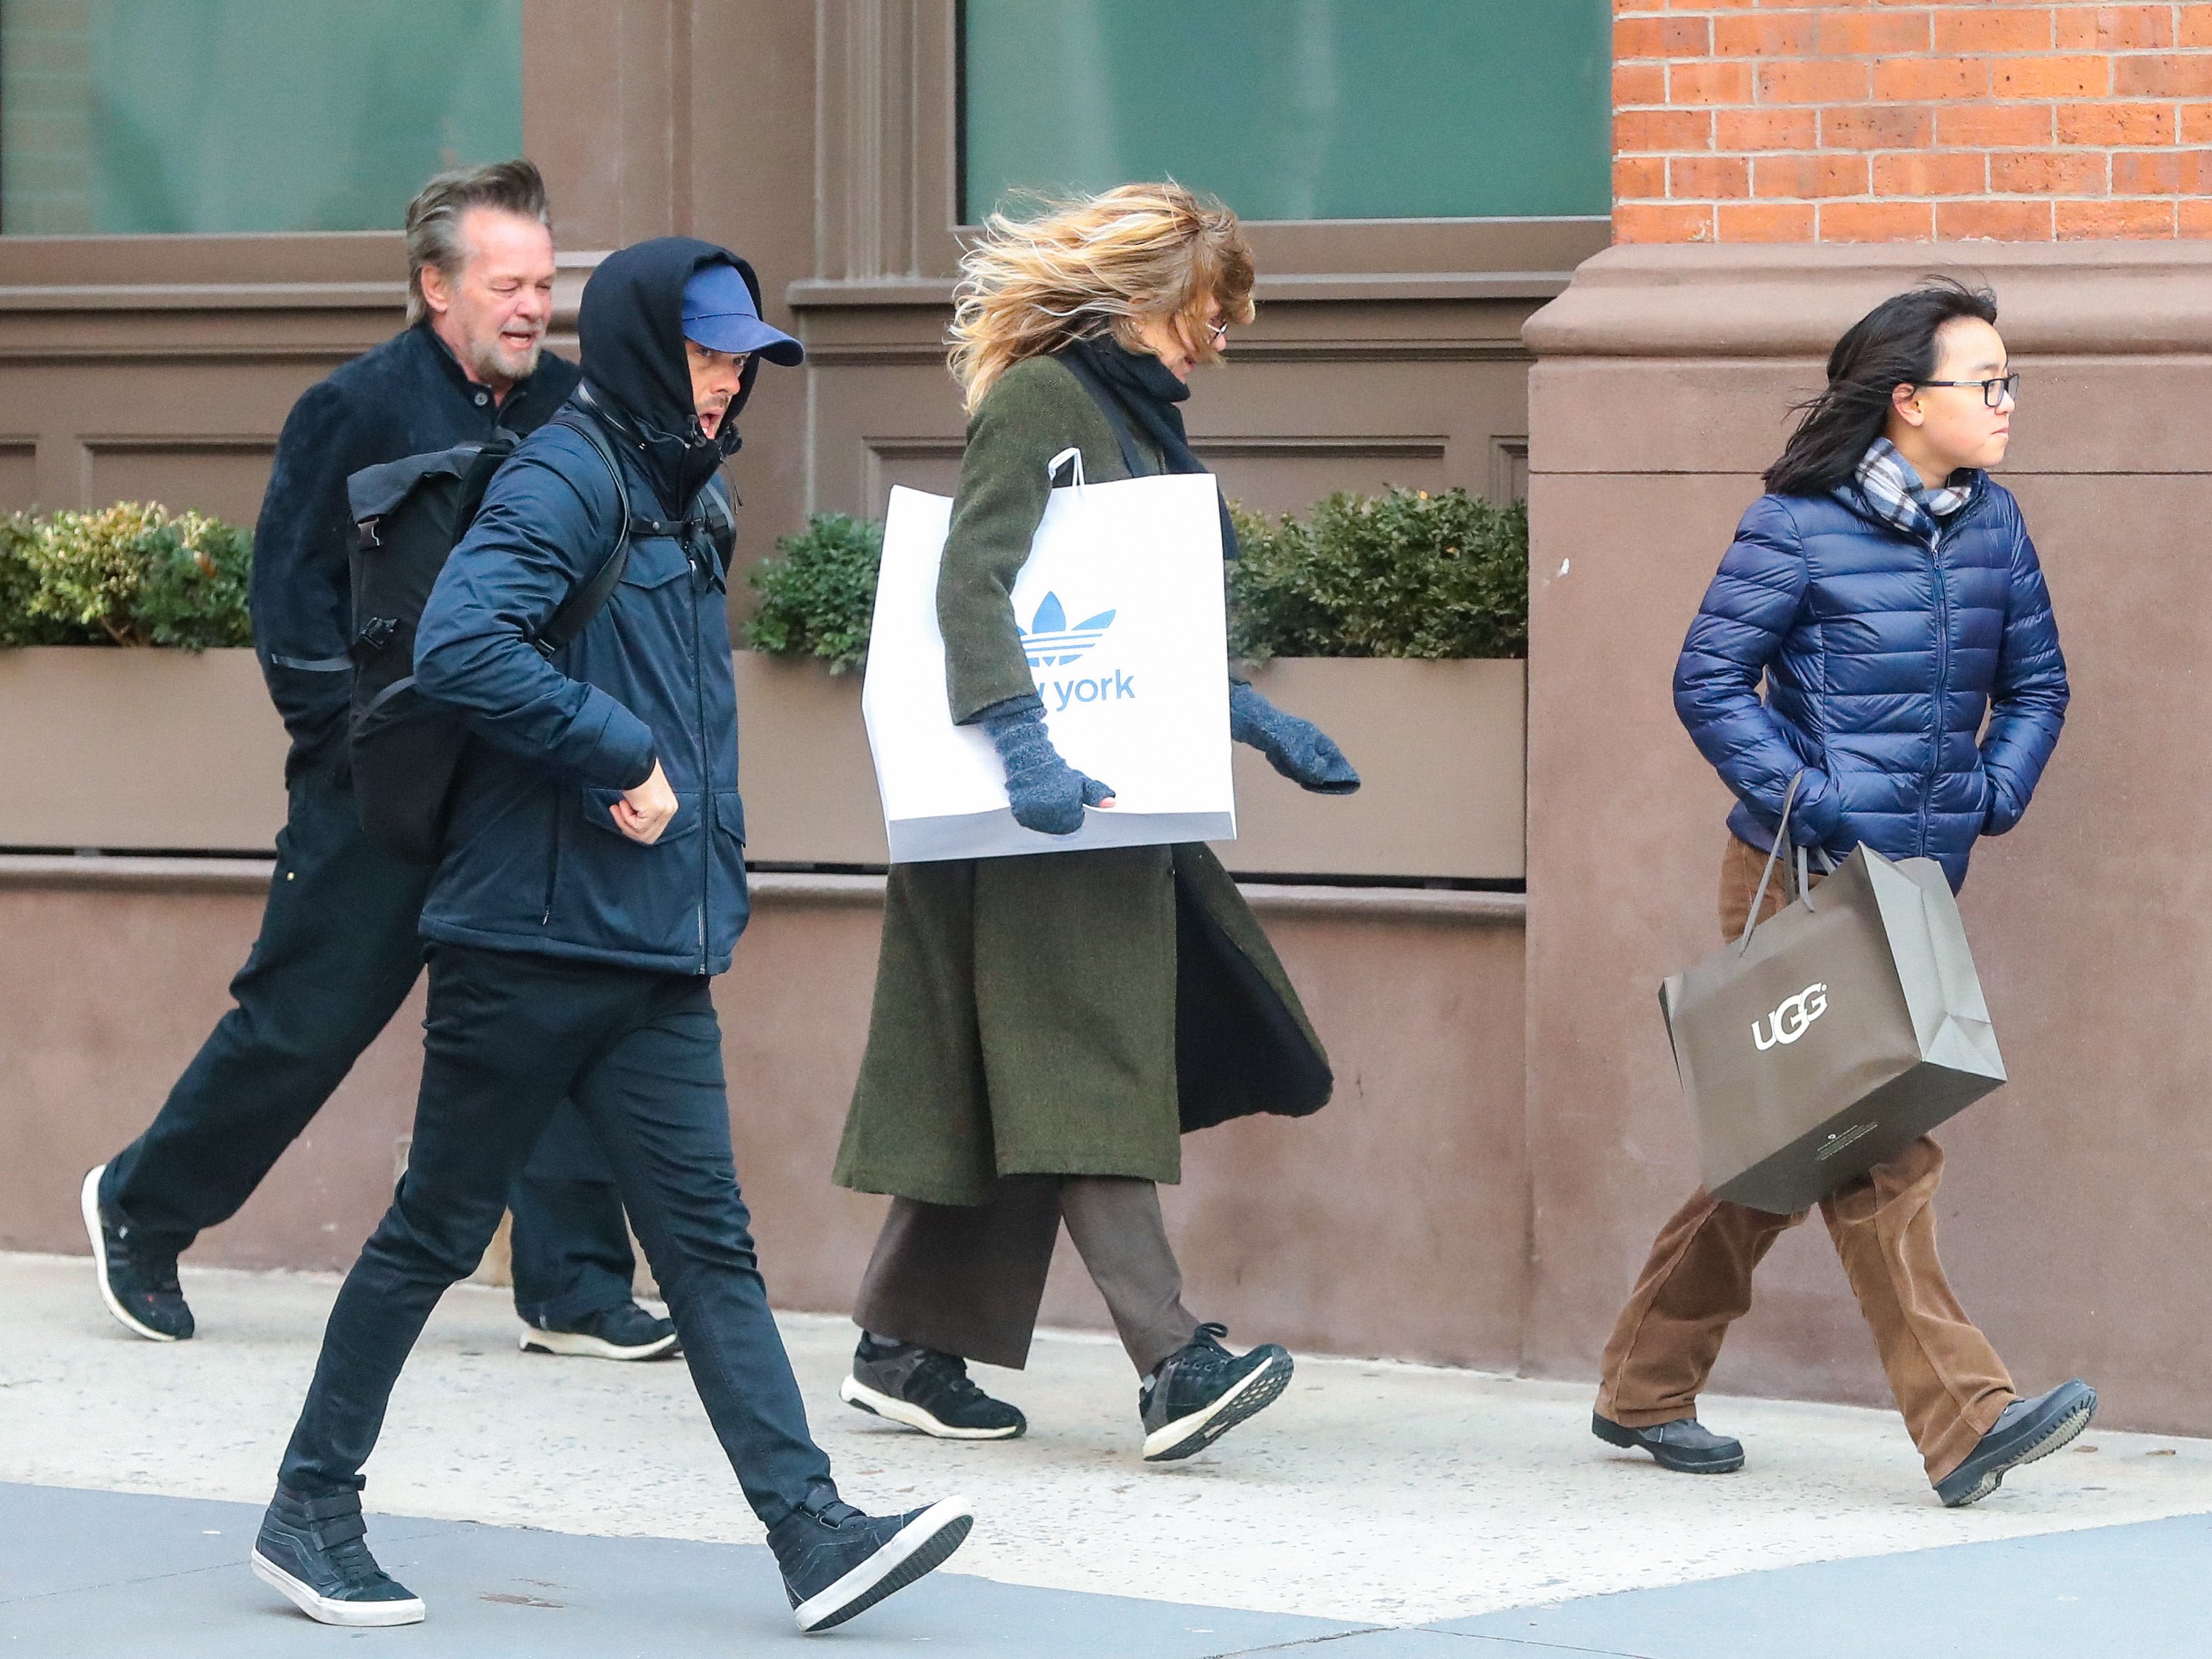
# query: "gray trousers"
{"type": "Point", "coordinates": [968, 1280]}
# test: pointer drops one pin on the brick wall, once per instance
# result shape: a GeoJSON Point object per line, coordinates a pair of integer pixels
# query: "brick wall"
{"type": "Point", "coordinates": [1800, 121]}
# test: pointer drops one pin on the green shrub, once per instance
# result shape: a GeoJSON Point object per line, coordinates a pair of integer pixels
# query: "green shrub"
{"type": "Point", "coordinates": [1405, 573]}
{"type": "Point", "coordinates": [19, 585]}
{"type": "Point", "coordinates": [818, 597]}
{"type": "Point", "coordinates": [130, 574]}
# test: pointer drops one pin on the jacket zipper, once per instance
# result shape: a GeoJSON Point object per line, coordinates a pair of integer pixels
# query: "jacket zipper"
{"type": "Point", "coordinates": [699, 585]}
{"type": "Point", "coordinates": [552, 864]}
{"type": "Point", "coordinates": [1943, 664]}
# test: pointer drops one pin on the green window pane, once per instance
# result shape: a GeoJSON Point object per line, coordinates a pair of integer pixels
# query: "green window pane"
{"type": "Point", "coordinates": [1296, 109]}
{"type": "Point", "coordinates": [247, 115]}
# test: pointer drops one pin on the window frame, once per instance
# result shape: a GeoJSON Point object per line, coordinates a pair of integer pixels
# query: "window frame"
{"type": "Point", "coordinates": [887, 173]}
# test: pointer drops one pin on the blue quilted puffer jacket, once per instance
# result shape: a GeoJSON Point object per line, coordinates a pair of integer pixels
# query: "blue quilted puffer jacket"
{"type": "Point", "coordinates": [1882, 657]}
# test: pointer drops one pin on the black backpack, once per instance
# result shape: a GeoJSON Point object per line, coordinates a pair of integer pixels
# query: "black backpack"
{"type": "Point", "coordinates": [409, 515]}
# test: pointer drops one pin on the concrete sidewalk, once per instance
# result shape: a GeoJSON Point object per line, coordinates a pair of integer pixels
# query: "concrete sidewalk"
{"type": "Point", "coordinates": [1380, 1510]}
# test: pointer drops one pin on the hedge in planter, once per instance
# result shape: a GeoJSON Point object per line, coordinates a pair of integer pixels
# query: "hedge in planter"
{"type": "Point", "coordinates": [1405, 573]}
{"type": "Point", "coordinates": [130, 574]}
{"type": "Point", "coordinates": [818, 596]}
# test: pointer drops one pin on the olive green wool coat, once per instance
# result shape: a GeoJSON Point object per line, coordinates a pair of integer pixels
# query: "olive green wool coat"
{"type": "Point", "coordinates": [1068, 1013]}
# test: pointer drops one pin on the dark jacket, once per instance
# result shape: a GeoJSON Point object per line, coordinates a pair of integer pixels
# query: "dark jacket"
{"type": "Point", "coordinates": [1882, 659]}
{"type": "Point", "coordinates": [404, 397]}
{"type": "Point", "coordinates": [534, 862]}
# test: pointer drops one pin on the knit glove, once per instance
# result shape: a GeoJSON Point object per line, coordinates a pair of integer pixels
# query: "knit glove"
{"type": "Point", "coordinates": [1047, 793]}
{"type": "Point", "coordinates": [1297, 749]}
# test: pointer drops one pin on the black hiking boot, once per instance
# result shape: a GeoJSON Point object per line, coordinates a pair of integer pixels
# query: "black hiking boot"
{"type": "Point", "coordinates": [1202, 1391]}
{"type": "Point", "coordinates": [927, 1390]}
{"type": "Point", "coordinates": [312, 1550]}
{"type": "Point", "coordinates": [2024, 1431]}
{"type": "Point", "coordinates": [1685, 1444]}
{"type": "Point", "coordinates": [139, 1283]}
{"type": "Point", "coordinates": [837, 1562]}
{"type": "Point", "coordinates": [625, 1331]}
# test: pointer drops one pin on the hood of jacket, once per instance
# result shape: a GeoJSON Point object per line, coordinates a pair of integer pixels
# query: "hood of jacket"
{"type": "Point", "coordinates": [631, 328]}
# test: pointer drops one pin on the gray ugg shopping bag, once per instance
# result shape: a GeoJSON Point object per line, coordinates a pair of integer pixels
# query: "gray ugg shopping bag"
{"type": "Point", "coordinates": [1827, 1039]}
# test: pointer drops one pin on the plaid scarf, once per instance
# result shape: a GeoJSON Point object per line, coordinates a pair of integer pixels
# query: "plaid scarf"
{"type": "Point", "coordinates": [1893, 489]}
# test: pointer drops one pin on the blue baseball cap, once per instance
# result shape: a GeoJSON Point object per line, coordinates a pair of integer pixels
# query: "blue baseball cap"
{"type": "Point", "coordinates": [719, 314]}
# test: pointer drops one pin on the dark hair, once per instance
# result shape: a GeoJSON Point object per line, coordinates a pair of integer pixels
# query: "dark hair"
{"type": "Point", "coordinates": [1892, 345]}
{"type": "Point", "coordinates": [434, 218]}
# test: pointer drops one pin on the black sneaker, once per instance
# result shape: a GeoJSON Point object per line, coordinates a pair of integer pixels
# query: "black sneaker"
{"type": "Point", "coordinates": [837, 1562]}
{"type": "Point", "coordinates": [1202, 1391]}
{"type": "Point", "coordinates": [623, 1332]}
{"type": "Point", "coordinates": [2024, 1431]}
{"type": "Point", "coordinates": [138, 1285]}
{"type": "Point", "coordinates": [1685, 1444]}
{"type": "Point", "coordinates": [312, 1552]}
{"type": "Point", "coordinates": [926, 1390]}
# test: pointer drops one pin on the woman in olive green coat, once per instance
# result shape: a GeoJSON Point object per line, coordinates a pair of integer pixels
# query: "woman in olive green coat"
{"type": "Point", "coordinates": [1047, 1027]}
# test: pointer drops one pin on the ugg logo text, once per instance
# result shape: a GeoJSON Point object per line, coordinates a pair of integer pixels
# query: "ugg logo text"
{"type": "Point", "coordinates": [1789, 1021]}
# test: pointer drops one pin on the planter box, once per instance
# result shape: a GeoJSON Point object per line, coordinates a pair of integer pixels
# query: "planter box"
{"type": "Point", "coordinates": [139, 751]}
{"type": "Point", "coordinates": [1440, 747]}
{"type": "Point", "coordinates": [152, 750]}
{"type": "Point", "coordinates": [1442, 751]}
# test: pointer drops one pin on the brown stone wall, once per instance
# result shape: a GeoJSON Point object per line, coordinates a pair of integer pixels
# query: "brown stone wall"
{"type": "Point", "coordinates": [1660, 391]}
{"type": "Point", "coordinates": [1867, 121]}
{"type": "Point", "coordinates": [1393, 1223]}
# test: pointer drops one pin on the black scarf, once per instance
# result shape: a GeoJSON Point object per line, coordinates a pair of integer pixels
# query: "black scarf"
{"type": "Point", "coordinates": [1135, 389]}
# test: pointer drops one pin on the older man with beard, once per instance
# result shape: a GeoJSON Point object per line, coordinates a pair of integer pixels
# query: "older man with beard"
{"type": "Point", "coordinates": [338, 949]}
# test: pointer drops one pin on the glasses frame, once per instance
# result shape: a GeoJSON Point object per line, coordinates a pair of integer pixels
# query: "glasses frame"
{"type": "Point", "coordinates": [1219, 333]}
{"type": "Point", "coordinates": [1994, 390]}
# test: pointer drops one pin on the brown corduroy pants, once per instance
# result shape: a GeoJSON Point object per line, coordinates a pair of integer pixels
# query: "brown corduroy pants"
{"type": "Point", "coordinates": [968, 1280]}
{"type": "Point", "coordinates": [1948, 1380]}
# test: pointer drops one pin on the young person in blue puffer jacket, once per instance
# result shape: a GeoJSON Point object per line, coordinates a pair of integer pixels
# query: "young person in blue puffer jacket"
{"type": "Point", "coordinates": [1887, 593]}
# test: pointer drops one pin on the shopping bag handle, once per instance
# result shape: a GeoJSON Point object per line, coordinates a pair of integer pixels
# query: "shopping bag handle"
{"type": "Point", "coordinates": [1073, 453]}
{"type": "Point", "coordinates": [1795, 876]}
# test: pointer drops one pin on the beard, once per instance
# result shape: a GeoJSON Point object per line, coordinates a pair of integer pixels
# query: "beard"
{"type": "Point", "coordinates": [493, 361]}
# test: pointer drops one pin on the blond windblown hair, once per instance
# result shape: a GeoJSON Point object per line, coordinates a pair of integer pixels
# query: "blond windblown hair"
{"type": "Point", "coordinates": [1095, 265]}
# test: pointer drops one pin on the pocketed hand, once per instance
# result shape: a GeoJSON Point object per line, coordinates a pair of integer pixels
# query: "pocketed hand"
{"type": "Point", "coordinates": [643, 812]}
{"type": "Point", "coordinates": [1296, 748]}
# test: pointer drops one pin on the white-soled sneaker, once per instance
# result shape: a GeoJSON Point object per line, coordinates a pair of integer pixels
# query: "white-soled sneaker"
{"type": "Point", "coordinates": [837, 1562]}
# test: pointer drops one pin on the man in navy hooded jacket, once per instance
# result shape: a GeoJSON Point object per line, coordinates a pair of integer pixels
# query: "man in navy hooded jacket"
{"type": "Point", "coordinates": [593, 884]}
{"type": "Point", "coordinates": [339, 951]}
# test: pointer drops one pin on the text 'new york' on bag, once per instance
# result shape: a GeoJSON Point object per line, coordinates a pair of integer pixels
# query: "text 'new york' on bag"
{"type": "Point", "coordinates": [1829, 1037]}
{"type": "Point", "coordinates": [1120, 610]}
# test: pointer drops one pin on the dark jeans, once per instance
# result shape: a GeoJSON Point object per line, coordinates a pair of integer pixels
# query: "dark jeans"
{"type": "Point", "coordinates": [338, 954]}
{"type": "Point", "coordinates": [641, 1055]}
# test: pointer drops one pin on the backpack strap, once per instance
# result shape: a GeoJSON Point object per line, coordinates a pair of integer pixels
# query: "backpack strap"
{"type": "Point", "coordinates": [577, 610]}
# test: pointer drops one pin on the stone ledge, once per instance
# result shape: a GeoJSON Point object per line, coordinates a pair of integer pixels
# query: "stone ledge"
{"type": "Point", "coordinates": [2120, 298]}
{"type": "Point", "coordinates": [183, 875]}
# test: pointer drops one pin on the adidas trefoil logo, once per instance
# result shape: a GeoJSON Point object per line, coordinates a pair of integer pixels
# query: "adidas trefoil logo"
{"type": "Point", "coordinates": [1051, 643]}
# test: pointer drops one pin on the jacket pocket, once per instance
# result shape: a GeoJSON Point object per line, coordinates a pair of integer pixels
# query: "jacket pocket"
{"type": "Point", "coordinates": [655, 561]}
{"type": "Point", "coordinates": [599, 812]}
{"type": "Point", "coordinates": [729, 898]}
{"type": "Point", "coordinates": [622, 895]}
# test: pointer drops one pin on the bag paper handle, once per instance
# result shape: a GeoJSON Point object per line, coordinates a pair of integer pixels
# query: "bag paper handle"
{"type": "Point", "coordinates": [1795, 869]}
{"type": "Point", "coordinates": [1071, 453]}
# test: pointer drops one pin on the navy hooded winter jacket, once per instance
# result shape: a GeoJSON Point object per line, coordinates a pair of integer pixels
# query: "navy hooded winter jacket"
{"type": "Point", "coordinates": [1882, 656]}
{"type": "Point", "coordinates": [533, 861]}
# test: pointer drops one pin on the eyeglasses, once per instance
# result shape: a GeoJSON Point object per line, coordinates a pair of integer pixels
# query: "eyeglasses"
{"type": "Point", "coordinates": [1993, 392]}
{"type": "Point", "coordinates": [1219, 333]}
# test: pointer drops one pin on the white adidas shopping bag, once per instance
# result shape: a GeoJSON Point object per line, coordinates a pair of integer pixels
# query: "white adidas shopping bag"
{"type": "Point", "coordinates": [1121, 612]}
